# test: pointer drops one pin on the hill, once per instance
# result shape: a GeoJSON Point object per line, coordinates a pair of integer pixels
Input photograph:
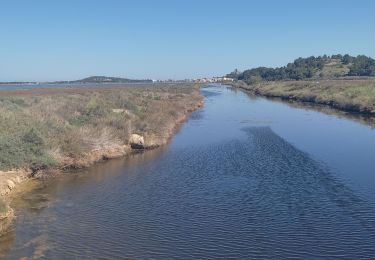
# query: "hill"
{"type": "Point", "coordinates": [104, 79]}
{"type": "Point", "coordinates": [321, 67]}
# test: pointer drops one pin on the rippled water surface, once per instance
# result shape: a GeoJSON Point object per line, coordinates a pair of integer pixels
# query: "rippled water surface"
{"type": "Point", "coordinates": [245, 177]}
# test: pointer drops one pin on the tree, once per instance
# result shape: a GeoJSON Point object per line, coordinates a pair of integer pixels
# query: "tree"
{"type": "Point", "coordinates": [346, 59]}
{"type": "Point", "coordinates": [362, 66]}
{"type": "Point", "coordinates": [234, 74]}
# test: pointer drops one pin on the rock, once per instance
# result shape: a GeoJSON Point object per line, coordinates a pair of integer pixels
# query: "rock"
{"type": "Point", "coordinates": [137, 141]}
{"type": "Point", "coordinates": [118, 110]}
{"type": "Point", "coordinates": [10, 184]}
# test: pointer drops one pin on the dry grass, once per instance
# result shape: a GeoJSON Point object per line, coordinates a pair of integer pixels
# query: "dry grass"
{"type": "Point", "coordinates": [333, 69]}
{"type": "Point", "coordinates": [42, 128]}
{"type": "Point", "coordinates": [356, 95]}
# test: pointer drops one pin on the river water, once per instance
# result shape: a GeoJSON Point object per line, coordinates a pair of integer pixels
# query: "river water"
{"type": "Point", "coordinates": [245, 177]}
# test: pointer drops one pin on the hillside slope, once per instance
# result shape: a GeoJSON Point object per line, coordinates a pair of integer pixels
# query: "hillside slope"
{"type": "Point", "coordinates": [321, 67]}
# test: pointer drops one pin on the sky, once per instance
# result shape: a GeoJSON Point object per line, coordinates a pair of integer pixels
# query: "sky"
{"type": "Point", "coordinates": [44, 40]}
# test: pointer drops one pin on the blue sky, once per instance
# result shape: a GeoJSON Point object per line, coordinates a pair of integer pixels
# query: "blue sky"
{"type": "Point", "coordinates": [161, 39]}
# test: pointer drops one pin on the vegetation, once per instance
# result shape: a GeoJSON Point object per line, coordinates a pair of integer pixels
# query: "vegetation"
{"type": "Point", "coordinates": [341, 81]}
{"type": "Point", "coordinates": [320, 67]}
{"type": "Point", "coordinates": [361, 66]}
{"type": "Point", "coordinates": [53, 127]}
{"type": "Point", "coordinates": [355, 95]}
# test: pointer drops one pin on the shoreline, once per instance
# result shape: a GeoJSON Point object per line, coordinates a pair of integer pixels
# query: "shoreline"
{"type": "Point", "coordinates": [311, 98]}
{"type": "Point", "coordinates": [12, 180]}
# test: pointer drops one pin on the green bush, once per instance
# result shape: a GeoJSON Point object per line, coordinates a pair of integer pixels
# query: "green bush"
{"type": "Point", "coordinates": [22, 151]}
{"type": "Point", "coordinates": [33, 138]}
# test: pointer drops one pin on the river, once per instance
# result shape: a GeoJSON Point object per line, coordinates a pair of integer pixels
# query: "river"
{"type": "Point", "coordinates": [245, 177]}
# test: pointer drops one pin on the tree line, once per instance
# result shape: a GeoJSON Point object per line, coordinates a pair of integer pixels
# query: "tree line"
{"type": "Point", "coordinates": [305, 68]}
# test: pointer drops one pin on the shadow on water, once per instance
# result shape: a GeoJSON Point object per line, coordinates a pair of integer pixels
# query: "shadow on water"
{"type": "Point", "coordinates": [265, 198]}
{"type": "Point", "coordinates": [306, 189]}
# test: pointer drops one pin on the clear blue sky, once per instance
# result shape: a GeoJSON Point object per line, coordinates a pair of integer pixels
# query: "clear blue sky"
{"type": "Point", "coordinates": [161, 39]}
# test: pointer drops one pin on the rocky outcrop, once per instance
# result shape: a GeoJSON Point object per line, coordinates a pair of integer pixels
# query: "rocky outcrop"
{"type": "Point", "coordinates": [93, 156]}
{"type": "Point", "coordinates": [137, 141]}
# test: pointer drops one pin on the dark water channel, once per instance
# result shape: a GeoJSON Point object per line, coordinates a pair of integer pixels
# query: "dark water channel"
{"type": "Point", "coordinates": [244, 178]}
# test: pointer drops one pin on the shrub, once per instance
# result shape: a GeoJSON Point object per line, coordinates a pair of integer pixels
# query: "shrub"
{"type": "Point", "coordinates": [33, 138]}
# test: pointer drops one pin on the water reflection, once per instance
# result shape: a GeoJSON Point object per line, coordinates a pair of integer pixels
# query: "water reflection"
{"type": "Point", "coordinates": [360, 118]}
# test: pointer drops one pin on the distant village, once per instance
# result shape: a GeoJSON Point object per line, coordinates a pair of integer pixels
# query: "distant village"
{"type": "Point", "coordinates": [109, 80]}
{"type": "Point", "coordinates": [214, 80]}
{"type": "Point", "coordinates": [202, 80]}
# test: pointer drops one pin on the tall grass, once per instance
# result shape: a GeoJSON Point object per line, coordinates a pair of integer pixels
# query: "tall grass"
{"type": "Point", "coordinates": [355, 94]}
{"type": "Point", "coordinates": [44, 129]}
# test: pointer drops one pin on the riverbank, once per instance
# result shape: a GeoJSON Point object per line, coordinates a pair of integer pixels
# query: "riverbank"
{"type": "Point", "coordinates": [350, 95]}
{"type": "Point", "coordinates": [48, 131]}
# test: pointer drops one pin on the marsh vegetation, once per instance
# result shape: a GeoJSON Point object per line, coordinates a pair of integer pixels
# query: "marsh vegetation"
{"type": "Point", "coordinates": [63, 127]}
